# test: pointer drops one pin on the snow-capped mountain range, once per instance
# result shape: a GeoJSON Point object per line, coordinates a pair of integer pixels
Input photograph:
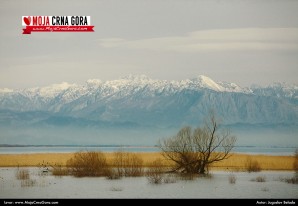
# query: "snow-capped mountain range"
{"type": "Point", "coordinates": [141, 101]}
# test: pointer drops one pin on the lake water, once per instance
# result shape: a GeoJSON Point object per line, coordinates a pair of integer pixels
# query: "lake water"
{"type": "Point", "coordinates": [68, 149]}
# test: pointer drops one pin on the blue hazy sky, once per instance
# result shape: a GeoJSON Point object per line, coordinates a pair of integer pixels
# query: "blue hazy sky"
{"type": "Point", "coordinates": [244, 42]}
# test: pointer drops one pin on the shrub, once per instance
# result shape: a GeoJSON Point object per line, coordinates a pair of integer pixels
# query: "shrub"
{"type": "Point", "coordinates": [112, 174]}
{"type": "Point", "coordinates": [154, 178]}
{"type": "Point", "coordinates": [170, 178]}
{"type": "Point", "coordinates": [127, 164]}
{"type": "Point", "coordinates": [59, 170]}
{"type": "Point", "coordinates": [88, 164]}
{"type": "Point", "coordinates": [133, 165]}
{"type": "Point", "coordinates": [28, 183]}
{"type": "Point", "coordinates": [116, 189]}
{"type": "Point", "coordinates": [155, 172]}
{"type": "Point", "coordinates": [232, 179]}
{"type": "Point", "coordinates": [188, 176]}
{"type": "Point", "coordinates": [252, 165]}
{"type": "Point", "coordinates": [118, 162]}
{"type": "Point", "coordinates": [292, 180]}
{"type": "Point", "coordinates": [259, 179]}
{"type": "Point", "coordinates": [22, 174]}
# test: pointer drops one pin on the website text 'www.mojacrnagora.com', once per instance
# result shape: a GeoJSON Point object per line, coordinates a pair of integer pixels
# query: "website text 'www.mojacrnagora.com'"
{"type": "Point", "coordinates": [31, 202]}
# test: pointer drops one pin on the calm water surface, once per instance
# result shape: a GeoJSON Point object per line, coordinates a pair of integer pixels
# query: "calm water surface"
{"type": "Point", "coordinates": [68, 149]}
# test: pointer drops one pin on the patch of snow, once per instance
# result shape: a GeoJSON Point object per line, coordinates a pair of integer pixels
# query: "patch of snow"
{"type": "Point", "coordinates": [48, 91]}
{"type": "Point", "coordinates": [232, 87]}
{"type": "Point", "coordinates": [218, 186]}
{"type": "Point", "coordinates": [6, 90]}
{"type": "Point", "coordinates": [133, 84]}
{"type": "Point", "coordinates": [206, 82]}
{"type": "Point", "coordinates": [94, 82]}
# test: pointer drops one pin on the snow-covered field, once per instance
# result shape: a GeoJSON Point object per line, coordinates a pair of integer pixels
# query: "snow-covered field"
{"type": "Point", "coordinates": [218, 186]}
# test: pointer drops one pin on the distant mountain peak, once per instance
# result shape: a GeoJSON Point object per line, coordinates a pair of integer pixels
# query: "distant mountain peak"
{"type": "Point", "coordinates": [207, 82]}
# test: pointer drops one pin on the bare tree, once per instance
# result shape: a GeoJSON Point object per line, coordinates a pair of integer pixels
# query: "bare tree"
{"type": "Point", "coordinates": [192, 151]}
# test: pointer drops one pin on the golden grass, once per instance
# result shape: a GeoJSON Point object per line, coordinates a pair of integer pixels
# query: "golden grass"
{"type": "Point", "coordinates": [267, 162]}
{"type": "Point", "coordinates": [24, 160]}
{"type": "Point", "coordinates": [234, 163]}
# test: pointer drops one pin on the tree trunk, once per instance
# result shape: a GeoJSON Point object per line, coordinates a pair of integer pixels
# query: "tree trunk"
{"type": "Point", "coordinates": [202, 168]}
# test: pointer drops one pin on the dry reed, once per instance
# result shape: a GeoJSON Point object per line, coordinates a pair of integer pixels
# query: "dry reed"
{"type": "Point", "coordinates": [237, 162]}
